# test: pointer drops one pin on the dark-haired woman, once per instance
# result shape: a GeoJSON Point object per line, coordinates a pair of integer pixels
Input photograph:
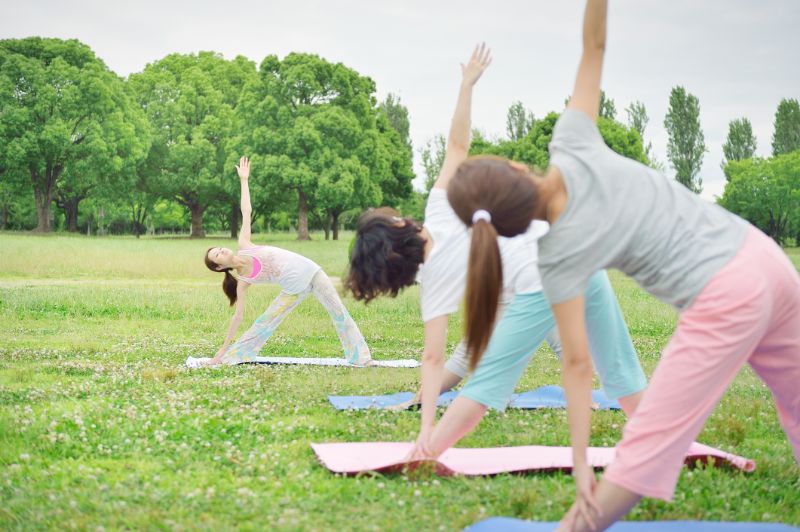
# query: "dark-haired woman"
{"type": "Point", "coordinates": [298, 278]}
{"type": "Point", "coordinates": [390, 252]}
{"type": "Point", "coordinates": [737, 293]}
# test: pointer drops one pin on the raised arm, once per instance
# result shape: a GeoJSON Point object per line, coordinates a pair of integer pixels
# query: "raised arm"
{"type": "Point", "coordinates": [458, 138]}
{"type": "Point", "coordinates": [576, 373]}
{"type": "Point", "coordinates": [586, 94]}
{"type": "Point", "coordinates": [243, 169]}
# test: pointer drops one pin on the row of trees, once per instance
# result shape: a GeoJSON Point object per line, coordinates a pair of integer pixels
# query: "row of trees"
{"type": "Point", "coordinates": [72, 130]}
{"type": "Point", "coordinates": [766, 192]}
{"type": "Point", "coordinates": [157, 150]}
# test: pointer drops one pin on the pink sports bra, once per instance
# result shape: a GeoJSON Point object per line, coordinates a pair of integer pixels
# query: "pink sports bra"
{"type": "Point", "coordinates": [256, 268]}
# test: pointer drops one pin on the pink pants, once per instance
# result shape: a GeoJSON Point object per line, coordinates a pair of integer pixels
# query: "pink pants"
{"type": "Point", "coordinates": [749, 312]}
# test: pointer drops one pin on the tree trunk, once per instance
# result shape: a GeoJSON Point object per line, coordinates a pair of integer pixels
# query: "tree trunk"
{"type": "Point", "coordinates": [197, 221]}
{"type": "Point", "coordinates": [70, 207]}
{"type": "Point", "coordinates": [234, 220]}
{"type": "Point", "coordinates": [43, 200]}
{"type": "Point", "coordinates": [4, 217]}
{"type": "Point", "coordinates": [335, 225]}
{"type": "Point", "coordinates": [326, 226]}
{"type": "Point", "coordinates": [44, 186]}
{"type": "Point", "coordinates": [302, 216]}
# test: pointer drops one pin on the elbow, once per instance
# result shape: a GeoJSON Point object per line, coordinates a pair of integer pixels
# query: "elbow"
{"type": "Point", "coordinates": [594, 48]}
{"type": "Point", "coordinates": [577, 366]}
{"type": "Point", "coordinates": [458, 148]}
{"type": "Point", "coordinates": [432, 359]}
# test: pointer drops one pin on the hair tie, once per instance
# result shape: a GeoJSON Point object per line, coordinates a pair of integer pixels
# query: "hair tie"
{"type": "Point", "coordinates": [481, 214]}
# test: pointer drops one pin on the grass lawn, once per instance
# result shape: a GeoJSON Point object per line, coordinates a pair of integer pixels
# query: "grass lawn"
{"type": "Point", "coordinates": [100, 426]}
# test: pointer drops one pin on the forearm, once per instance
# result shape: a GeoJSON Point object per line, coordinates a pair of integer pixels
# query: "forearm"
{"type": "Point", "coordinates": [236, 321]}
{"type": "Point", "coordinates": [245, 199]}
{"type": "Point", "coordinates": [577, 377]}
{"type": "Point", "coordinates": [594, 25]}
{"type": "Point", "coordinates": [432, 367]}
{"type": "Point", "coordinates": [462, 119]}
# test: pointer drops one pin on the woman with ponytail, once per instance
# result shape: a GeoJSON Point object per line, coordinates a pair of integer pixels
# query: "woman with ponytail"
{"type": "Point", "coordinates": [737, 293]}
{"type": "Point", "coordinates": [389, 253]}
{"type": "Point", "coordinates": [298, 278]}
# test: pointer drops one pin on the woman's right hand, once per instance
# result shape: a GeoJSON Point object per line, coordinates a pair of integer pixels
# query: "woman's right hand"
{"type": "Point", "coordinates": [218, 357]}
{"type": "Point", "coordinates": [421, 449]}
{"type": "Point", "coordinates": [480, 61]}
{"type": "Point", "coordinates": [243, 168]}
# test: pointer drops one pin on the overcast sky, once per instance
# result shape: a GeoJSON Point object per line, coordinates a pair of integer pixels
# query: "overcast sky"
{"type": "Point", "coordinates": [738, 57]}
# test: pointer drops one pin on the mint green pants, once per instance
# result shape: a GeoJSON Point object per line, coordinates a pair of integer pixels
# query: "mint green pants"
{"type": "Point", "coordinates": [525, 324]}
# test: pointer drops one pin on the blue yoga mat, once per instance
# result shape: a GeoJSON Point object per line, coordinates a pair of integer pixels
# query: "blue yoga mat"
{"type": "Point", "coordinates": [542, 397]}
{"type": "Point", "coordinates": [553, 397]}
{"type": "Point", "coordinates": [507, 524]}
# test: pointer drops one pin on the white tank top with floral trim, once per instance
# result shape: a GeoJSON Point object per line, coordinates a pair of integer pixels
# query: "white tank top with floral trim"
{"type": "Point", "coordinates": [290, 271]}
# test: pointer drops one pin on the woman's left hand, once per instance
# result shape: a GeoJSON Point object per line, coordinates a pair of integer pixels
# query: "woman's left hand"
{"type": "Point", "coordinates": [585, 502]}
{"type": "Point", "coordinates": [243, 168]}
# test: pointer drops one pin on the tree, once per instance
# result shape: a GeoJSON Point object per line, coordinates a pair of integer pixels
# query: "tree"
{"type": "Point", "coordinates": [63, 111]}
{"type": "Point", "coordinates": [190, 100]}
{"type": "Point", "coordinates": [786, 137]}
{"type": "Point", "coordinates": [740, 144]}
{"type": "Point", "coordinates": [638, 121]}
{"type": "Point", "coordinates": [433, 158]}
{"type": "Point", "coordinates": [607, 107]}
{"type": "Point", "coordinates": [397, 113]}
{"type": "Point", "coordinates": [315, 130]}
{"type": "Point", "coordinates": [766, 192]}
{"type": "Point", "coordinates": [519, 121]}
{"type": "Point", "coordinates": [686, 145]}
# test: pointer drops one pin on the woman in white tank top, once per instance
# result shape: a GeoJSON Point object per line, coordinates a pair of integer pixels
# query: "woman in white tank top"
{"type": "Point", "coordinates": [297, 276]}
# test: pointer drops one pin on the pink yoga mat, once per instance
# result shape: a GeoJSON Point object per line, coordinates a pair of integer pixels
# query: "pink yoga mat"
{"type": "Point", "coordinates": [385, 457]}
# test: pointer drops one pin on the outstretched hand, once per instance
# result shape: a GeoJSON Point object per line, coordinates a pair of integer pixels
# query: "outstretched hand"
{"type": "Point", "coordinates": [243, 168]}
{"type": "Point", "coordinates": [480, 61]}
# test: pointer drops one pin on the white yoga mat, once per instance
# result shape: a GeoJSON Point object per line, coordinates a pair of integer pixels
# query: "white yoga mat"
{"type": "Point", "coordinates": [193, 362]}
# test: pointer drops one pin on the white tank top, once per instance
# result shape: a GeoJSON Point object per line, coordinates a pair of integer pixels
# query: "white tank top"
{"type": "Point", "coordinates": [290, 271]}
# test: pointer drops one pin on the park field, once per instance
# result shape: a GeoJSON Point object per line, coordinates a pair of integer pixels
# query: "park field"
{"type": "Point", "coordinates": [102, 428]}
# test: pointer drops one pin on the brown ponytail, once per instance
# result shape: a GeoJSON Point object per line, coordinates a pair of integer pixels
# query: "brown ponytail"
{"type": "Point", "coordinates": [484, 282]}
{"type": "Point", "coordinates": [508, 194]}
{"type": "Point", "coordinates": [229, 282]}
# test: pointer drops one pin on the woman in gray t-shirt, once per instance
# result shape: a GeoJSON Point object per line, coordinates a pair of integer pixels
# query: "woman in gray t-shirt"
{"type": "Point", "coordinates": [737, 293]}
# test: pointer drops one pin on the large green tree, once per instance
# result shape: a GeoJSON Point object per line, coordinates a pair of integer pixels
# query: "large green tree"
{"type": "Point", "coordinates": [66, 121]}
{"type": "Point", "coordinates": [190, 101]}
{"type": "Point", "coordinates": [786, 136]}
{"type": "Point", "coordinates": [766, 192]}
{"type": "Point", "coordinates": [740, 144]}
{"type": "Point", "coordinates": [315, 129]}
{"type": "Point", "coordinates": [686, 146]}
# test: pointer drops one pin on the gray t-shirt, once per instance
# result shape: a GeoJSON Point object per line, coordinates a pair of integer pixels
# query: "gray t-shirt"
{"type": "Point", "coordinates": [622, 214]}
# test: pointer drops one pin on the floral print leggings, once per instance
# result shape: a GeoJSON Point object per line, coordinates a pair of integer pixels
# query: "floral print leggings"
{"type": "Point", "coordinates": [248, 346]}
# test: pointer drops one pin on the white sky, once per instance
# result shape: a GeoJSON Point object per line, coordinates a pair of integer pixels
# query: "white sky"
{"type": "Point", "coordinates": [738, 57]}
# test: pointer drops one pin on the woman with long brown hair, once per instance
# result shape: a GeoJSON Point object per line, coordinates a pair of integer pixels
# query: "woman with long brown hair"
{"type": "Point", "coordinates": [737, 293]}
{"type": "Point", "coordinates": [298, 278]}
{"type": "Point", "coordinates": [389, 253]}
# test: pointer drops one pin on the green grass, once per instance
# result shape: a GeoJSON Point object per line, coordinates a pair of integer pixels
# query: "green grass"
{"type": "Point", "coordinates": [101, 426]}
